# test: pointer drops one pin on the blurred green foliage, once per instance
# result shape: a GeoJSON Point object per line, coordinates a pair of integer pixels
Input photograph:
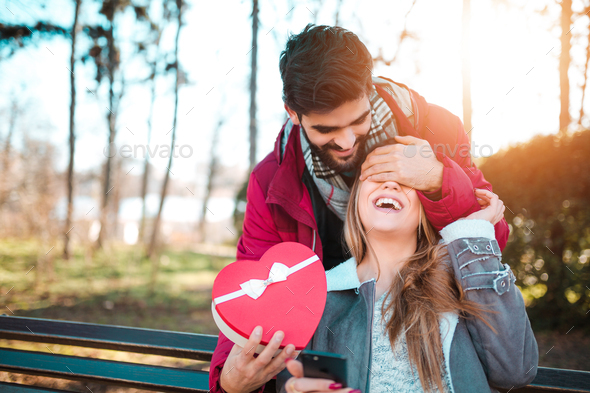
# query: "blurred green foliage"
{"type": "Point", "coordinates": [113, 286]}
{"type": "Point", "coordinates": [545, 186]}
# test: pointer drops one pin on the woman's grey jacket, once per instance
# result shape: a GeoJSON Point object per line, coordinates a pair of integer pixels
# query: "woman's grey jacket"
{"type": "Point", "coordinates": [476, 358]}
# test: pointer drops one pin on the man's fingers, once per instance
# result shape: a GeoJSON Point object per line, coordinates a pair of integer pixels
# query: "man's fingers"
{"type": "Point", "coordinates": [279, 361]}
{"type": "Point", "coordinates": [250, 347]}
{"type": "Point", "coordinates": [265, 357]}
{"type": "Point", "coordinates": [378, 168]}
{"type": "Point", "coordinates": [378, 156]}
{"type": "Point", "coordinates": [384, 176]}
{"type": "Point", "coordinates": [235, 350]}
{"type": "Point", "coordinates": [295, 367]}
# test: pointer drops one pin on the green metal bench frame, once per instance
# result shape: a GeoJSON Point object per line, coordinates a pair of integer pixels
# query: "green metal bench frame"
{"type": "Point", "coordinates": [157, 342]}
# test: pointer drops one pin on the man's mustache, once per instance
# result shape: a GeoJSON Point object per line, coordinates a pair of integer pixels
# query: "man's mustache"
{"type": "Point", "coordinates": [335, 146]}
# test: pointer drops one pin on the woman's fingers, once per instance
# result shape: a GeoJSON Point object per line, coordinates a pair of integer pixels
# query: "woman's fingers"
{"type": "Point", "coordinates": [295, 367]}
{"type": "Point", "coordinates": [302, 384]}
{"type": "Point", "coordinates": [311, 385]}
{"type": "Point", "coordinates": [500, 214]}
{"type": "Point", "coordinates": [483, 202]}
{"type": "Point", "coordinates": [483, 198]}
{"type": "Point", "coordinates": [488, 196]}
{"type": "Point", "coordinates": [495, 204]}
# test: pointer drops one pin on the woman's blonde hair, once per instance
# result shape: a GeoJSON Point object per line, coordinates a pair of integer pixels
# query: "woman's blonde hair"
{"type": "Point", "coordinates": [424, 288]}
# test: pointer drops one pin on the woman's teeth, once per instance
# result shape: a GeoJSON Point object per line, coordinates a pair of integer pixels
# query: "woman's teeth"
{"type": "Point", "coordinates": [388, 203]}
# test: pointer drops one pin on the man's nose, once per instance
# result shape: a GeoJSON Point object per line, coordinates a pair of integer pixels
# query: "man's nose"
{"type": "Point", "coordinates": [346, 139]}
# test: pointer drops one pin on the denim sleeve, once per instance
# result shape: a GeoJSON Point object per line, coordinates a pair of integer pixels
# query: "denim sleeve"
{"type": "Point", "coordinates": [509, 355]}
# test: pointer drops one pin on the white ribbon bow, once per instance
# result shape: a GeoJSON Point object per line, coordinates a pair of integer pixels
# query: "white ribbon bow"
{"type": "Point", "coordinates": [254, 287]}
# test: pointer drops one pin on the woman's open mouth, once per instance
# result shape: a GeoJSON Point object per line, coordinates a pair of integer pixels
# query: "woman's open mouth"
{"type": "Point", "coordinates": [387, 204]}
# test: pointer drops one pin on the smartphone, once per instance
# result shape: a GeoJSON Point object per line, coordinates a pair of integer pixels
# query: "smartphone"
{"type": "Point", "coordinates": [326, 365]}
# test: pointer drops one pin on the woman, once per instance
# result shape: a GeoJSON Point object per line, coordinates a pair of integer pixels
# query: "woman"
{"type": "Point", "coordinates": [415, 313]}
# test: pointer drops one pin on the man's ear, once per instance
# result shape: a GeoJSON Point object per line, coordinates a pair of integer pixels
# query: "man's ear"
{"type": "Point", "coordinates": [292, 115]}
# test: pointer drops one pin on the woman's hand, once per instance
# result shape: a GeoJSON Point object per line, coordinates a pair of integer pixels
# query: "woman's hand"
{"type": "Point", "coordinates": [298, 384]}
{"type": "Point", "coordinates": [492, 207]}
{"type": "Point", "coordinates": [242, 372]}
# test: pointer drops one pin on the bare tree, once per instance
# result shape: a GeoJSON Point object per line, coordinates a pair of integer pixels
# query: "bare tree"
{"type": "Point", "coordinates": [213, 167]}
{"type": "Point", "coordinates": [405, 34]}
{"type": "Point", "coordinates": [152, 245]}
{"type": "Point", "coordinates": [14, 37]}
{"type": "Point", "coordinates": [72, 140]}
{"type": "Point", "coordinates": [253, 71]}
{"type": "Point", "coordinates": [564, 64]}
{"type": "Point", "coordinates": [109, 10]}
{"type": "Point", "coordinates": [146, 166]}
{"type": "Point", "coordinates": [109, 65]}
{"type": "Point", "coordinates": [5, 190]}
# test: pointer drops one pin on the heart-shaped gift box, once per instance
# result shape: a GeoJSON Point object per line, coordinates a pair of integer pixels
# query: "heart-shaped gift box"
{"type": "Point", "coordinates": [286, 290]}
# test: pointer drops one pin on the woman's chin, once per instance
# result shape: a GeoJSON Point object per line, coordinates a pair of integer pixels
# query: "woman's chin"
{"type": "Point", "coordinates": [386, 228]}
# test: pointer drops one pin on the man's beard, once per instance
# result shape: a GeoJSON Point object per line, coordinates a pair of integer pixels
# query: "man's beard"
{"type": "Point", "coordinates": [337, 164]}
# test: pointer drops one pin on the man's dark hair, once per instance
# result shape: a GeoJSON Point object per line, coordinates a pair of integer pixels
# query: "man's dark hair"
{"type": "Point", "coordinates": [322, 68]}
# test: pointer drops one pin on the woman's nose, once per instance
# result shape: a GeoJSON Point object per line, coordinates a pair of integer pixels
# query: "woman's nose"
{"type": "Point", "coordinates": [391, 184]}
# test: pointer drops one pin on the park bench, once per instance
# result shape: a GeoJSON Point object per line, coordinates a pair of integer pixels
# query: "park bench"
{"type": "Point", "coordinates": [157, 342]}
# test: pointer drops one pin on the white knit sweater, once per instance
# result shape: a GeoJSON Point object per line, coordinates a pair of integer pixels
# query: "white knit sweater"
{"type": "Point", "coordinates": [391, 370]}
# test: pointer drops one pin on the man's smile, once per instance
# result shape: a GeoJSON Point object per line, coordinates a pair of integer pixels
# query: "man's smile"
{"type": "Point", "coordinates": [345, 153]}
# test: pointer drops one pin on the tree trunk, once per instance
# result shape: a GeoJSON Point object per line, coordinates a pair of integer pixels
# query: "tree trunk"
{"type": "Point", "coordinates": [111, 118]}
{"type": "Point", "coordinates": [6, 162]}
{"type": "Point", "coordinates": [70, 181]}
{"type": "Point", "coordinates": [154, 238]}
{"type": "Point", "coordinates": [253, 69]}
{"type": "Point", "coordinates": [564, 64]}
{"type": "Point", "coordinates": [210, 178]}
{"type": "Point", "coordinates": [146, 166]}
{"type": "Point", "coordinates": [466, 67]}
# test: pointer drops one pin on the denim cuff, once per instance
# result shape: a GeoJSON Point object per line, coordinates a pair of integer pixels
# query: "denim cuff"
{"type": "Point", "coordinates": [479, 265]}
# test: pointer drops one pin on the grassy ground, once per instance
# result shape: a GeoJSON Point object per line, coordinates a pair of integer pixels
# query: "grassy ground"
{"type": "Point", "coordinates": [118, 287]}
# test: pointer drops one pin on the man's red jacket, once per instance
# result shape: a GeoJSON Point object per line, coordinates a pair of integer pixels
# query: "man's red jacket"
{"type": "Point", "coordinates": [279, 207]}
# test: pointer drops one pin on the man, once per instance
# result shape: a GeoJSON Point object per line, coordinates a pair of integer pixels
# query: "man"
{"type": "Point", "coordinates": [300, 191]}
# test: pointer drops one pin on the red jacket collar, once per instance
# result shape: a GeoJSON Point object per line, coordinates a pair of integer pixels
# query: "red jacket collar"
{"type": "Point", "coordinates": [286, 188]}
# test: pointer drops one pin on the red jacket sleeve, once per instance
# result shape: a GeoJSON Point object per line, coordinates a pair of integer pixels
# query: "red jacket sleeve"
{"type": "Point", "coordinates": [259, 234]}
{"type": "Point", "coordinates": [456, 198]}
{"type": "Point", "coordinates": [259, 231]}
{"type": "Point", "coordinates": [224, 346]}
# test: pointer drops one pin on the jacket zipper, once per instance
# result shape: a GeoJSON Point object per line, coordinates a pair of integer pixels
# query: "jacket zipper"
{"type": "Point", "coordinates": [313, 246]}
{"type": "Point", "coordinates": [371, 337]}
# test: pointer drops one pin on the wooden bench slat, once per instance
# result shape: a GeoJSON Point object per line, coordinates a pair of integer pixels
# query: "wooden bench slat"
{"type": "Point", "coordinates": [561, 380]}
{"type": "Point", "coordinates": [149, 341]}
{"type": "Point", "coordinates": [104, 371]}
